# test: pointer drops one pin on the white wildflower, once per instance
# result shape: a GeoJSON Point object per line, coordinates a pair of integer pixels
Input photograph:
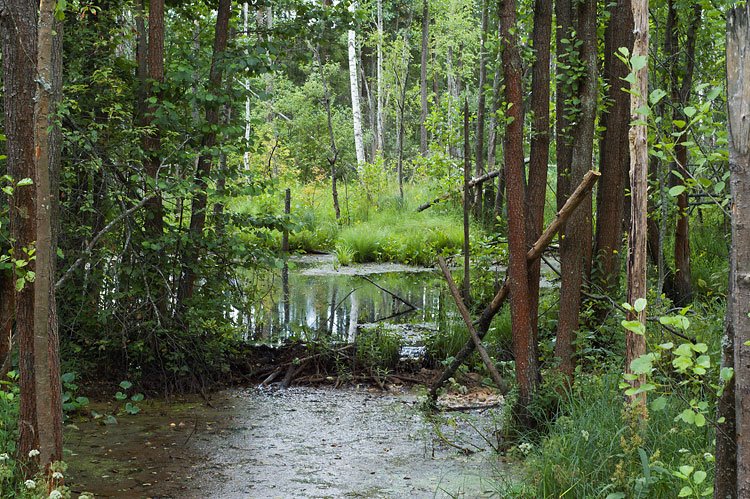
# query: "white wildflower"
{"type": "Point", "coordinates": [4, 457]}
{"type": "Point", "coordinates": [30, 484]}
{"type": "Point", "coordinates": [57, 475]}
{"type": "Point", "coordinates": [33, 453]}
{"type": "Point", "coordinates": [55, 494]}
{"type": "Point", "coordinates": [585, 435]}
{"type": "Point", "coordinates": [525, 448]}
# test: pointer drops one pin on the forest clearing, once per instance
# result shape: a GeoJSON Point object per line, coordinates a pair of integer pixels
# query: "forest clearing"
{"type": "Point", "coordinates": [436, 248]}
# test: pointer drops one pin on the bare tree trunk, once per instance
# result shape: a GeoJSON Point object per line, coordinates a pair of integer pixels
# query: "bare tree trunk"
{"type": "Point", "coordinates": [635, 344]}
{"type": "Point", "coordinates": [680, 90]}
{"type": "Point", "coordinates": [467, 207]}
{"type": "Point", "coordinates": [208, 142]}
{"type": "Point", "coordinates": [614, 159]}
{"type": "Point", "coordinates": [333, 158]}
{"type": "Point", "coordinates": [479, 157]}
{"type": "Point", "coordinates": [527, 369]}
{"type": "Point", "coordinates": [738, 301]}
{"type": "Point", "coordinates": [380, 132]}
{"type": "Point", "coordinates": [46, 339]}
{"type": "Point", "coordinates": [246, 84]}
{"type": "Point", "coordinates": [540, 138]}
{"type": "Point", "coordinates": [359, 146]}
{"type": "Point", "coordinates": [154, 224]}
{"type": "Point", "coordinates": [423, 77]}
{"type": "Point", "coordinates": [575, 244]}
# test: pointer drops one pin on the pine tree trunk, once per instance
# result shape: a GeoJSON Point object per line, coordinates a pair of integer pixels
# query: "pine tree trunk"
{"type": "Point", "coordinates": [540, 139]}
{"type": "Point", "coordinates": [527, 370]}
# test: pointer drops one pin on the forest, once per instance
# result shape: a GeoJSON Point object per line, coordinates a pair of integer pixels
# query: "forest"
{"type": "Point", "coordinates": [415, 248]}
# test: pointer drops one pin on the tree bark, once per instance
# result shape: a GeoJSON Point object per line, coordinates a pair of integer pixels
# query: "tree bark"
{"type": "Point", "coordinates": [19, 37]}
{"type": "Point", "coordinates": [575, 243]}
{"type": "Point", "coordinates": [635, 344]}
{"type": "Point", "coordinates": [738, 301]}
{"type": "Point", "coordinates": [380, 132]}
{"type": "Point", "coordinates": [208, 142]}
{"type": "Point", "coordinates": [527, 368]}
{"type": "Point", "coordinates": [540, 138]}
{"type": "Point", "coordinates": [614, 158]}
{"type": "Point", "coordinates": [467, 206]}
{"type": "Point", "coordinates": [46, 339]}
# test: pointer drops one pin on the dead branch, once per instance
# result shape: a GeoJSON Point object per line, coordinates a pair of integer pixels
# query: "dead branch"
{"type": "Point", "coordinates": [472, 183]}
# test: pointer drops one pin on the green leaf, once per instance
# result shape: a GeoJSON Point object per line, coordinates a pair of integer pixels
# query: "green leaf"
{"type": "Point", "coordinates": [699, 420]}
{"type": "Point", "coordinates": [634, 326]}
{"type": "Point", "coordinates": [640, 305]}
{"type": "Point", "coordinates": [657, 95]}
{"type": "Point", "coordinates": [126, 385]}
{"type": "Point", "coordinates": [68, 377]}
{"type": "Point", "coordinates": [726, 373]}
{"type": "Point", "coordinates": [659, 404]}
{"type": "Point", "coordinates": [689, 111]}
{"type": "Point", "coordinates": [120, 396]}
{"type": "Point", "coordinates": [684, 350]}
{"type": "Point", "coordinates": [682, 363]}
{"type": "Point", "coordinates": [24, 181]}
{"type": "Point", "coordinates": [685, 491]}
{"type": "Point", "coordinates": [638, 62]}
{"type": "Point", "coordinates": [20, 283]}
{"type": "Point", "coordinates": [137, 397]}
{"type": "Point", "coordinates": [686, 469]}
{"type": "Point", "coordinates": [642, 365]}
{"type": "Point", "coordinates": [616, 495]}
{"type": "Point", "coordinates": [676, 190]}
{"type": "Point", "coordinates": [700, 347]}
{"type": "Point", "coordinates": [699, 477]}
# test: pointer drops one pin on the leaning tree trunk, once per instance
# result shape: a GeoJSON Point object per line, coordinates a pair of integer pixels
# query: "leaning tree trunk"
{"type": "Point", "coordinates": [614, 158]}
{"type": "Point", "coordinates": [635, 344]}
{"type": "Point", "coordinates": [738, 302]}
{"type": "Point", "coordinates": [523, 349]}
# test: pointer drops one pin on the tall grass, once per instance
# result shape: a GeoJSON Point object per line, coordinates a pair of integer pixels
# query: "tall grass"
{"type": "Point", "coordinates": [591, 450]}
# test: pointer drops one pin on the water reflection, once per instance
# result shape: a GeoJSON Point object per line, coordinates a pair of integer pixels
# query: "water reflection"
{"type": "Point", "coordinates": [304, 301]}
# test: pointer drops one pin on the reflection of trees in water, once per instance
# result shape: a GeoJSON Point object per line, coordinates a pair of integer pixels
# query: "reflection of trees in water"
{"type": "Point", "coordinates": [336, 304]}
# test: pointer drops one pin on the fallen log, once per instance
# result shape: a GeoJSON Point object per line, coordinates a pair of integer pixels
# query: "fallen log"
{"type": "Point", "coordinates": [483, 324]}
{"type": "Point", "coordinates": [472, 183]}
{"type": "Point", "coordinates": [499, 382]}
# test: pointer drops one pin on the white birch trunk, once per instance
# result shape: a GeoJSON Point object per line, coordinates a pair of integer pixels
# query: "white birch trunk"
{"type": "Point", "coordinates": [359, 145]}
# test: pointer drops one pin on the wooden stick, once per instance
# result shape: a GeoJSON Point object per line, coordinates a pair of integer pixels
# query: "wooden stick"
{"type": "Point", "coordinates": [467, 319]}
{"type": "Point", "coordinates": [483, 324]}
{"type": "Point", "coordinates": [472, 183]}
{"type": "Point", "coordinates": [386, 291]}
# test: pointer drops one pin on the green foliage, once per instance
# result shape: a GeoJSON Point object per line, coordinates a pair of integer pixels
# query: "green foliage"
{"type": "Point", "coordinates": [377, 349]}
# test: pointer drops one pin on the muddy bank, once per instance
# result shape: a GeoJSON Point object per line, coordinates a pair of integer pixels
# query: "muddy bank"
{"type": "Point", "coordinates": [302, 442]}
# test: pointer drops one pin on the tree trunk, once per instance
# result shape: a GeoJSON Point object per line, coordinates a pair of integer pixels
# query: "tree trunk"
{"type": "Point", "coordinates": [527, 370]}
{"type": "Point", "coordinates": [380, 132]}
{"type": "Point", "coordinates": [479, 156]}
{"type": "Point", "coordinates": [423, 77]}
{"type": "Point", "coordinates": [614, 159]}
{"type": "Point", "coordinates": [154, 224]}
{"type": "Point", "coordinates": [359, 146]}
{"type": "Point", "coordinates": [46, 339]}
{"type": "Point", "coordinates": [19, 36]}
{"type": "Point", "coordinates": [575, 244]}
{"type": "Point", "coordinates": [467, 207]}
{"type": "Point", "coordinates": [738, 301]}
{"type": "Point", "coordinates": [635, 344]}
{"type": "Point", "coordinates": [540, 138]}
{"type": "Point", "coordinates": [680, 90]}
{"type": "Point", "coordinates": [333, 158]}
{"type": "Point", "coordinates": [203, 171]}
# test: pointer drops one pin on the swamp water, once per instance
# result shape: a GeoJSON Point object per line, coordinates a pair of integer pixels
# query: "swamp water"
{"type": "Point", "coordinates": [303, 442]}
